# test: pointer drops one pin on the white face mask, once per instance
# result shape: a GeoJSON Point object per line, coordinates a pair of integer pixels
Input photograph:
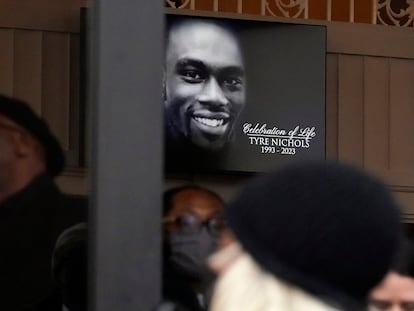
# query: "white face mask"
{"type": "Point", "coordinates": [189, 252]}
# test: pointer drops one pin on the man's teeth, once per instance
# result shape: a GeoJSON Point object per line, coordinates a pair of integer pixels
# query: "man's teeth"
{"type": "Point", "coordinates": [210, 122]}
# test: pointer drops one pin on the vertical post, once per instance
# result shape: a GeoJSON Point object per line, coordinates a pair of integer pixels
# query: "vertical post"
{"type": "Point", "coordinates": [215, 5]}
{"type": "Point", "coordinates": [240, 6]}
{"type": "Point", "coordinates": [351, 10]}
{"type": "Point", "coordinates": [263, 7]}
{"type": "Point", "coordinates": [328, 10]}
{"type": "Point", "coordinates": [306, 11]}
{"type": "Point", "coordinates": [126, 169]}
{"type": "Point", "coordinates": [374, 12]}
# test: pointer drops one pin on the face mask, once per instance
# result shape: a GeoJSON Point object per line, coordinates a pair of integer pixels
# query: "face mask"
{"type": "Point", "coordinates": [189, 252]}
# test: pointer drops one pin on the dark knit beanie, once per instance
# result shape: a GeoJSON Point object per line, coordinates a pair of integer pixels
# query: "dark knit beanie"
{"type": "Point", "coordinates": [21, 113]}
{"type": "Point", "coordinates": [325, 227]}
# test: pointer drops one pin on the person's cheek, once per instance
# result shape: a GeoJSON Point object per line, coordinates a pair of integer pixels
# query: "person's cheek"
{"type": "Point", "coordinates": [237, 100]}
{"type": "Point", "coordinates": [182, 101]}
{"type": "Point", "coordinates": [174, 94]}
{"type": "Point", "coordinates": [189, 91]}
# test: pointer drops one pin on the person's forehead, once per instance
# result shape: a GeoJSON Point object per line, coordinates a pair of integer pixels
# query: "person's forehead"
{"type": "Point", "coordinates": [201, 40]}
{"type": "Point", "coordinates": [191, 200]}
{"type": "Point", "coordinates": [395, 286]}
{"type": "Point", "coordinates": [7, 121]}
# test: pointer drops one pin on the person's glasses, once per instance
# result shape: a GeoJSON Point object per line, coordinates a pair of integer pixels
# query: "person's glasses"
{"type": "Point", "coordinates": [384, 305]}
{"type": "Point", "coordinates": [189, 222]}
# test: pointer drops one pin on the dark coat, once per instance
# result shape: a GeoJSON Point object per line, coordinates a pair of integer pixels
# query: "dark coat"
{"type": "Point", "coordinates": [177, 289]}
{"type": "Point", "coordinates": [30, 222]}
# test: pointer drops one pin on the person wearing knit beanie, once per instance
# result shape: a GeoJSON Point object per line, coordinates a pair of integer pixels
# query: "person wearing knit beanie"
{"type": "Point", "coordinates": [320, 231]}
{"type": "Point", "coordinates": [396, 290]}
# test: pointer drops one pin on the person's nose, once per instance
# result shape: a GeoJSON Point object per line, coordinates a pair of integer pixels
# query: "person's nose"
{"type": "Point", "coordinates": [213, 94]}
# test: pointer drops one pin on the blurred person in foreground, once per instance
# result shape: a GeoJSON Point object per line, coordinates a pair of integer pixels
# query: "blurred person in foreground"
{"type": "Point", "coordinates": [314, 236]}
{"type": "Point", "coordinates": [396, 291]}
{"type": "Point", "coordinates": [192, 223]}
{"type": "Point", "coordinates": [33, 212]}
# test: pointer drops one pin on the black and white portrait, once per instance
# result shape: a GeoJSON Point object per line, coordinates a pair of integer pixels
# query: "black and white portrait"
{"type": "Point", "coordinates": [242, 96]}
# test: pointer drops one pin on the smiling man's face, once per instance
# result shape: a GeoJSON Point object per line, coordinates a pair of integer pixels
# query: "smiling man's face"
{"type": "Point", "coordinates": [204, 83]}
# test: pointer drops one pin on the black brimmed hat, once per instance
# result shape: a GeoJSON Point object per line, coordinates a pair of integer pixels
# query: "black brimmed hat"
{"type": "Point", "coordinates": [325, 227]}
{"type": "Point", "coordinates": [21, 113]}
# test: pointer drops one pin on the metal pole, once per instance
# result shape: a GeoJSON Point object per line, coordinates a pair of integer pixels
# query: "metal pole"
{"type": "Point", "coordinates": [126, 169]}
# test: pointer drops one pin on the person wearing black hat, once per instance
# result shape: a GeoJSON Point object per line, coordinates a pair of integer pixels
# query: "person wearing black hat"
{"type": "Point", "coordinates": [191, 225]}
{"type": "Point", "coordinates": [33, 212]}
{"type": "Point", "coordinates": [310, 236]}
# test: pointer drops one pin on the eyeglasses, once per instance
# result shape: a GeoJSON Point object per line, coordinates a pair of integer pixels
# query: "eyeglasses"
{"type": "Point", "coordinates": [384, 305]}
{"type": "Point", "coordinates": [189, 222]}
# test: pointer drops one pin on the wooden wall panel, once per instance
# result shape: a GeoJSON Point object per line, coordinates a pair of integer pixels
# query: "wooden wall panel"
{"type": "Point", "coordinates": [363, 11]}
{"type": "Point", "coordinates": [56, 84]}
{"type": "Point", "coordinates": [207, 5]}
{"type": "Point", "coordinates": [340, 10]}
{"type": "Point", "coordinates": [227, 6]}
{"type": "Point", "coordinates": [406, 201]}
{"type": "Point", "coordinates": [332, 106]}
{"type": "Point", "coordinates": [6, 61]}
{"type": "Point", "coordinates": [42, 68]}
{"type": "Point", "coordinates": [61, 15]}
{"type": "Point", "coordinates": [376, 113]}
{"type": "Point", "coordinates": [74, 182]}
{"type": "Point", "coordinates": [401, 114]}
{"type": "Point", "coordinates": [370, 40]}
{"type": "Point", "coordinates": [317, 9]}
{"type": "Point", "coordinates": [251, 6]}
{"type": "Point", "coordinates": [351, 109]}
{"type": "Point", "coordinates": [27, 82]}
